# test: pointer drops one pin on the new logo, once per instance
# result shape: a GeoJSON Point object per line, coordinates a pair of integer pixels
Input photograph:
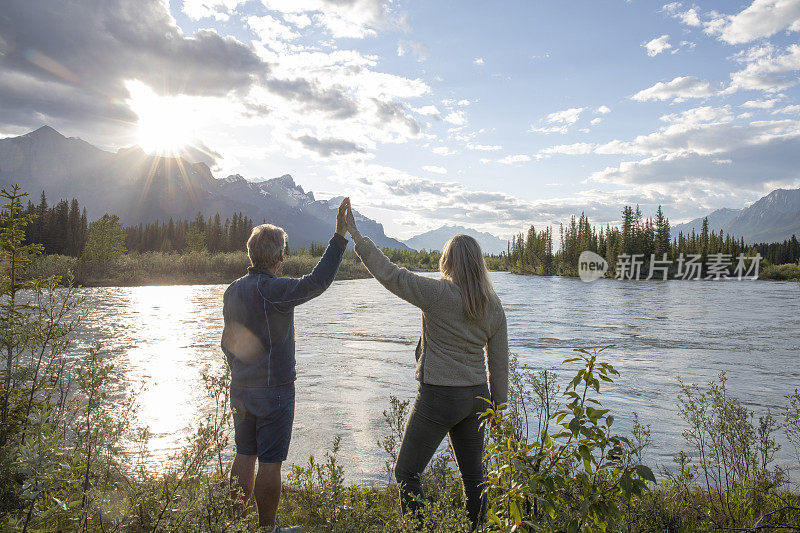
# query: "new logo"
{"type": "Point", "coordinates": [591, 266]}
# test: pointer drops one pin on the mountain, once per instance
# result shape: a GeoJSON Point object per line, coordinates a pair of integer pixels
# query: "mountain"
{"type": "Point", "coordinates": [436, 239]}
{"type": "Point", "coordinates": [142, 188]}
{"type": "Point", "coordinates": [716, 221]}
{"type": "Point", "coordinates": [773, 218]}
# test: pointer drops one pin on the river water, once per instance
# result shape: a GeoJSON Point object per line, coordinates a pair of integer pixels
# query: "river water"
{"type": "Point", "coordinates": [355, 347]}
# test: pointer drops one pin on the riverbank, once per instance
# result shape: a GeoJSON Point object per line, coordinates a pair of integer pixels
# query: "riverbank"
{"type": "Point", "coordinates": [194, 268]}
{"type": "Point", "coordinates": [155, 268]}
{"type": "Point", "coordinates": [787, 272]}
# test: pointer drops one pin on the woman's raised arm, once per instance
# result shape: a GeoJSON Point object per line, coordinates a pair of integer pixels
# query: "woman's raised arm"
{"type": "Point", "coordinates": [417, 290]}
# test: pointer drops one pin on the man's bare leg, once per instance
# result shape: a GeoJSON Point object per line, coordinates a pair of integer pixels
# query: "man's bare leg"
{"type": "Point", "coordinates": [268, 492]}
{"type": "Point", "coordinates": [243, 476]}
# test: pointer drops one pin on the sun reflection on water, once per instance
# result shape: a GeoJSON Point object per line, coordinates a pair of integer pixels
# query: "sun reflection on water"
{"type": "Point", "coordinates": [166, 365]}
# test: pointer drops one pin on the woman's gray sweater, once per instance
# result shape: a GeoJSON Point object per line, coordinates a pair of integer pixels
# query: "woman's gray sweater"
{"type": "Point", "coordinates": [451, 347]}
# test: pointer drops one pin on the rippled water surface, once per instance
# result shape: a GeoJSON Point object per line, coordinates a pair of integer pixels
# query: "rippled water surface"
{"type": "Point", "coordinates": [355, 347]}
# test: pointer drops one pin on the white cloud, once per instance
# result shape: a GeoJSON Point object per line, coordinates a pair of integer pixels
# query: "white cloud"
{"type": "Point", "coordinates": [484, 147]}
{"type": "Point", "coordinates": [763, 18]}
{"type": "Point", "coordinates": [567, 116]}
{"type": "Point", "coordinates": [595, 121]}
{"type": "Point", "coordinates": [479, 61]}
{"type": "Point", "coordinates": [688, 17]}
{"type": "Point", "coordinates": [700, 115]}
{"type": "Point", "coordinates": [755, 156]}
{"type": "Point", "coordinates": [678, 89]}
{"type": "Point", "coordinates": [766, 68]}
{"type": "Point", "coordinates": [444, 150]}
{"type": "Point", "coordinates": [570, 149]}
{"type": "Point", "coordinates": [300, 20]}
{"type": "Point", "coordinates": [603, 110]}
{"type": "Point", "coordinates": [428, 110]}
{"type": "Point", "coordinates": [354, 18]}
{"type": "Point", "coordinates": [760, 104]}
{"type": "Point", "coordinates": [419, 50]}
{"type": "Point", "coordinates": [559, 121]}
{"type": "Point", "coordinates": [514, 159]}
{"type": "Point", "coordinates": [216, 9]}
{"type": "Point", "coordinates": [434, 169]}
{"type": "Point", "coordinates": [463, 103]}
{"type": "Point", "coordinates": [657, 45]}
{"type": "Point", "coordinates": [788, 110]}
{"type": "Point", "coordinates": [271, 31]}
{"type": "Point", "coordinates": [456, 118]}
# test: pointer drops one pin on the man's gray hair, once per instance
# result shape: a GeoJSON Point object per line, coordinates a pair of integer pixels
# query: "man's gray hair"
{"type": "Point", "coordinates": [265, 245]}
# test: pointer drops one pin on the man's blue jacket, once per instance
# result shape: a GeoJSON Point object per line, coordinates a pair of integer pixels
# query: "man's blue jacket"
{"type": "Point", "coordinates": [258, 308]}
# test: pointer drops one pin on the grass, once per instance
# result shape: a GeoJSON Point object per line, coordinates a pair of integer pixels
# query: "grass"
{"type": "Point", "coordinates": [155, 268]}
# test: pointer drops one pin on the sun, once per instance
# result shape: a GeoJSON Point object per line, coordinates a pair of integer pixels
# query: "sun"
{"type": "Point", "coordinates": [166, 124]}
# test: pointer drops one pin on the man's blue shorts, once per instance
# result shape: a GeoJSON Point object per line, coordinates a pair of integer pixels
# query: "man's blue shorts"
{"type": "Point", "coordinates": [263, 419]}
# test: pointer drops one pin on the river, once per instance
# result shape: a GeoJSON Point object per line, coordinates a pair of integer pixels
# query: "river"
{"type": "Point", "coordinates": [355, 347]}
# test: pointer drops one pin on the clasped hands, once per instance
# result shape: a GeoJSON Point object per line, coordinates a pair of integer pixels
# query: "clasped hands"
{"type": "Point", "coordinates": [345, 221]}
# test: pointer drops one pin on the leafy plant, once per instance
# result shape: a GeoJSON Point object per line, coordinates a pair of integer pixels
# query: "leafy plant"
{"type": "Point", "coordinates": [576, 474]}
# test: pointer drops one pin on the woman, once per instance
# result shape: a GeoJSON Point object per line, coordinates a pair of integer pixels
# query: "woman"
{"type": "Point", "coordinates": [461, 315]}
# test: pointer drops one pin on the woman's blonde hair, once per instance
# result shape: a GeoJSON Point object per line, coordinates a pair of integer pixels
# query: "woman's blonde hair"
{"type": "Point", "coordinates": [462, 263]}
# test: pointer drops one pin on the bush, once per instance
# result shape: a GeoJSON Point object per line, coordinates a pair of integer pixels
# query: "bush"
{"type": "Point", "coordinates": [576, 475]}
{"type": "Point", "coordinates": [787, 272]}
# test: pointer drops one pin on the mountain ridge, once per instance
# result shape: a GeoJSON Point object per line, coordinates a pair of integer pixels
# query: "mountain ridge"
{"type": "Point", "coordinates": [774, 217]}
{"type": "Point", "coordinates": [142, 188]}
{"type": "Point", "coordinates": [436, 238]}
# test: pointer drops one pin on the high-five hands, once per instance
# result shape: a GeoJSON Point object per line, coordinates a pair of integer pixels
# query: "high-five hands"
{"type": "Point", "coordinates": [341, 222]}
{"type": "Point", "coordinates": [350, 220]}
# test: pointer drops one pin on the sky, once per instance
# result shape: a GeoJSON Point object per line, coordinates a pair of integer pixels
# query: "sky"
{"type": "Point", "coordinates": [491, 115]}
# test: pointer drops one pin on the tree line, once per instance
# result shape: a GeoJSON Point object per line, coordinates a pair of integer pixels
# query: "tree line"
{"type": "Point", "coordinates": [211, 234]}
{"type": "Point", "coordinates": [64, 229]}
{"type": "Point", "coordinates": [534, 253]}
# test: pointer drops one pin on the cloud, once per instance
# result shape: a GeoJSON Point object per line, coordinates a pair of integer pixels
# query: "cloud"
{"type": "Point", "coordinates": [462, 103]}
{"type": "Point", "coordinates": [678, 89]}
{"type": "Point", "coordinates": [428, 110]}
{"type": "Point", "coordinates": [330, 147]}
{"type": "Point", "coordinates": [333, 101]}
{"type": "Point", "coordinates": [514, 159]}
{"type": "Point", "coordinates": [754, 156]}
{"type": "Point", "coordinates": [444, 150]}
{"type": "Point", "coordinates": [767, 69]}
{"type": "Point", "coordinates": [688, 17]}
{"type": "Point", "coordinates": [479, 61]}
{"type": "Point", "coordinates": [603, 110]}
{"type": "Point", "coordinates": [434, 169]}
{"type": "Point", "coordinates": [570, 149]}
{"type": "Point", "coordinates": [559, 121]}
{"type": "Point", "coordinates": [418, 50]}
{"type": "Point", "coordinates": [567, 116]}
{"type": "Point", "coordinates": [271, 31]}
{"type": "Point", "coordinates": [760, 104]}
{"type": "Point", "coordinates": [456, 118]}
{"type": "Point", "coordinates": [58, 49]}
{"type": "Point", "coordinates": [483, 147]}
{"type": "Point", "coordinates": [699, 115]}
{"type": "Point", "coordinates": [341, 18]}
{"type": "Point", "coordinates": [763, 18]}
{"type": "Point", "coordinates": [217, 9]}
{"type": "Point", "coordinates": [396, 112]}
{"type": "Point", "coordinates": [657, 45]}
{"type": "Point", "coordinates": [595, 121]}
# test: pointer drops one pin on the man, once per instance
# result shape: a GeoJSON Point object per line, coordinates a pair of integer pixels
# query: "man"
{"type": "Point", "coordinates": [258, 342]}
